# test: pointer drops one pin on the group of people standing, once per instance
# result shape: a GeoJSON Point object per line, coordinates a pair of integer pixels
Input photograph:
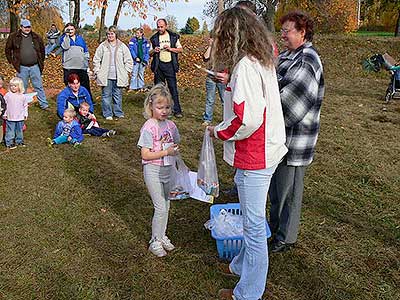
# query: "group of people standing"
{"type": "Point", "coordinates": [115, 65]}
{"type": "Point", "coordinates": [270, 124]}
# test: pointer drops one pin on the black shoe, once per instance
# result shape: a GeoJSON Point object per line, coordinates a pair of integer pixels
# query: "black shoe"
{"type": "Point", "coordinates": [178, 115]}
{"type": "Point", "coordinates": [231, 193]}
{"type": "Point", "coordinates": [279, 246]}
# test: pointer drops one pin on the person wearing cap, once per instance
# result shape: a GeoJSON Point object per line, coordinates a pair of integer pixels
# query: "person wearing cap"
{"type": "Point", "coordinates": [25, 51]}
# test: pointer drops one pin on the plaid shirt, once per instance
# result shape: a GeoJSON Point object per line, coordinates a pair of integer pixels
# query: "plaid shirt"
{"type": "Point", "coordinates": [301, 85]}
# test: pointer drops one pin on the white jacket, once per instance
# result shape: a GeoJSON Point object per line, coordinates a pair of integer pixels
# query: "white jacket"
{"type": "Point", "coordinates": [123, 62]}
{"type": "Point", "coordinates": [253, 128]}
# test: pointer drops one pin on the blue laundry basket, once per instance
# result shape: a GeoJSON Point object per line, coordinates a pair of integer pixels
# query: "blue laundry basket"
{"type": "Point", "coordinates": [229, 247]}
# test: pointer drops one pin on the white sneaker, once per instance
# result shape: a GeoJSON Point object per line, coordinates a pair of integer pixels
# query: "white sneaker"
{"type": "Point", "coordinates": [109, 118]}
{"type": "Point", "coordinates": [157, 249]}
{"type": "Point", "coordinates": [166, 244]}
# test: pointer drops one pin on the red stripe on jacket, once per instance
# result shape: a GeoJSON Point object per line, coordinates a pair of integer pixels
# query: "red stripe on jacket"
{"type": "Point", "coordinates": [250, 152]}
{"type": "Point", "coordinates": [230, 131]}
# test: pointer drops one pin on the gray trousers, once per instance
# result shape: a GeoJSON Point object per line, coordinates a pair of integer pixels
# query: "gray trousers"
{"type": "Point", "coordinates": [286, 194]}
{"type": "Point", "coordinates": [157, 179]}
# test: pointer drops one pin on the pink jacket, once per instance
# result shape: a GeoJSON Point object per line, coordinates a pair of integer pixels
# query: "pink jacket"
{"type": "Point", "coordinates": [17, 106]}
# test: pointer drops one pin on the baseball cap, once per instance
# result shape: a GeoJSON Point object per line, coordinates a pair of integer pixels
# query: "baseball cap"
{"type": "Point", "coordinates": [25, 23]}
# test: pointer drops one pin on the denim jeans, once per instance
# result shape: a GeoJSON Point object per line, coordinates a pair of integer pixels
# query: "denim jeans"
{"type": "Point", "coordinates": [111, 94]}
{"type": "Point", "coordinates": [211, 87]}
{"type": "Point", "coordinates": [96, 131]}
{"type": "Point", "coordinates": [49, 48]}
{"type": "Point", "coordinates": [14, 132]}
{"type": "Point", "coordinates": [252, 261]}
{"type": "Point", "coordinates": [157, 179]}
{"type": "Point", "coordinates": [63, 139]}
{"type": "Point", "coordinates": [137, 79]}
{"type": "Point", "coordinates": [34, 74]}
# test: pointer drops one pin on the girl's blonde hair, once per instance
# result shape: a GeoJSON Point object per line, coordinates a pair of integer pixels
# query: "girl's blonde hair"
{"type": "Point", "coordinates": [158, 93]}
{"type": "Point", "coordinates": [238, 33]}
{"type": "Point", "coordinates": [18, 83]}
{"type": "Point", "coordinates": [70, 112]}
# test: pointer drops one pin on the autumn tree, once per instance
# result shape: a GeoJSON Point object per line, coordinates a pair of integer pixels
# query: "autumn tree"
{"type": "Point", "coordinates": [192, 25]}
{"type": "Point", "coordinates": [43, 18]}
{"type": "Point", "coordinates": [147, 31]}
{"type": "Point", "coordinates": [172, 23]}
{"type": "Point", "coordinates": [205, 28]}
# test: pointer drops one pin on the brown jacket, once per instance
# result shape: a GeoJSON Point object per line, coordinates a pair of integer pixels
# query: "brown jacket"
{"type": "Point", "coordinates": [13, 49]}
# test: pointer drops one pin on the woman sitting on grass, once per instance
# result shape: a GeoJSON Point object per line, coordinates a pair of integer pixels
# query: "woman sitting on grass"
{"type": "Point", "coordinates": [72, 96]}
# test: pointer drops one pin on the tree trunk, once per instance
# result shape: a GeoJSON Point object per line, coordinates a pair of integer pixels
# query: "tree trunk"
{"type": "Point", "coordinates": [397, 31]}
{"type": "Point", "coordinates": [13, 22]}
{"type": "Point", "coordinates": [269, 15]}
{"type": "Point", "coordinates": [118, 12]}
{"type": "Point", "coordinates": [12, 4]}
{"type": "Point", "coordinates": [102, 20]}
{"type": "Point", "coordinates": [77, 13]}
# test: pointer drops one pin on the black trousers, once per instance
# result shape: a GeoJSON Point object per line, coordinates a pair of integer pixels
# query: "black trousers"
{"type": "Point", "coordinates": [83, 77]}
{"type": "Point", "coordinates": [165, 72]}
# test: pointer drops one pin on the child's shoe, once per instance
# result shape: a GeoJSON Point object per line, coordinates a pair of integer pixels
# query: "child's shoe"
{"type": "Point", "coordinates": [50, 142]}
{"type": "Point", "coordinates": [21, 145]}
{"type": "Point", "coordinates": [77, 144]}
{"type": "Point", "coordinates": [12, 147]}
{"type": "Point", "coordinates": [157, 249]}
{"type": "Point", "coordinates": [166, 244]}
{"type": "Point", "coordinates": [111, 133]}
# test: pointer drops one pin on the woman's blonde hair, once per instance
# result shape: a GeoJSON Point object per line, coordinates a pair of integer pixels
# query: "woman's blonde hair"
{"type": "Point", "coordinates": [18, 83]}
{"type": "Point", "coordinates": [239, 33]}
{"type": "Point", "coordinates": [158, 93]}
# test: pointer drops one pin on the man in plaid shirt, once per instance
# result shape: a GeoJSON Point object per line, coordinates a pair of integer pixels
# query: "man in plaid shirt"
{"type": "Point", "coordinates": [301, 85]}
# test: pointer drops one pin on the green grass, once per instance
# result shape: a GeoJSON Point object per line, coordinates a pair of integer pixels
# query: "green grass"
{"type": "Point", "coordinates": [374, 33]}
{"type": "Point", "coordinates": [75, 223]}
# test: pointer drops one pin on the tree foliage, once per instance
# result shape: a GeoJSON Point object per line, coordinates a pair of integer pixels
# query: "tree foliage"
{"type": "Point", "coordinates": [192, 25]}
{"type": "Point", "coordinates": [205, 28]}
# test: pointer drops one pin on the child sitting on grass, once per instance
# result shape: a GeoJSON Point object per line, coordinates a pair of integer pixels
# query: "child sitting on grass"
{"type": "Point", "coordinates": [89, 124]}
{"type": "Point", "coordinates": [68, 130]}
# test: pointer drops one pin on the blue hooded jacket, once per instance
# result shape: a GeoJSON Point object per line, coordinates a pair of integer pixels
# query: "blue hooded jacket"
{"type": "Point", "coordinates": [133, 48]}
{"type": "Point", "coordinates": [67, 99]}
{"type": "Point", "coordinates": [75, 133]}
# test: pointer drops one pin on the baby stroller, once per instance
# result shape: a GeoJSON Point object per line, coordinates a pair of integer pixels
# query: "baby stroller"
{"type": "Point", "coordinates": [376, 63]}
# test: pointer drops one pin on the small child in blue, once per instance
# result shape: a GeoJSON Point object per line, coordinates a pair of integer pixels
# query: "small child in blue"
{"type": "Point", "coordinates": [68, 130]}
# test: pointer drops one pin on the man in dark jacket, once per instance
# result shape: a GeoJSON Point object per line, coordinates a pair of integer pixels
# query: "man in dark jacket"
{"type": "Point", "coordinates": [166, 47]}
{"type": "Point", "coordinates": [25, 51]}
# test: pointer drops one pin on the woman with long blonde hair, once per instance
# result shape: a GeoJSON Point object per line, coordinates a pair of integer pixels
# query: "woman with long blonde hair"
{"type": "Point", "coordinates": [253, 132]}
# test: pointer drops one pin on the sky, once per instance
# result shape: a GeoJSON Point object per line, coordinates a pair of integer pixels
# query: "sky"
{"type": "Point", "coordinates": [181, 10]}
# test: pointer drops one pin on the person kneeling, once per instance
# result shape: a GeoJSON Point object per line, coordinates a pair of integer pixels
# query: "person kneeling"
{"type": "Point", "coordinates": [68, 130]}
{"type": "Point", "coordinates": [89, 123]}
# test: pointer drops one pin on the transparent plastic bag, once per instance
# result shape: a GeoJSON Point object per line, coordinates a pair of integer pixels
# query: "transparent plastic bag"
{"type": "Point", "coordinates": [207, 175]}
{"type": "Point", "coordinates": [226, 224]}
{"type": "Point", "coordinates": [181, 187]}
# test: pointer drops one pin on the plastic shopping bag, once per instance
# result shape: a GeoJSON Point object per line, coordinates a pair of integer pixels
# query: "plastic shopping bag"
{"type": "Point", "coordinates": [207, 175]}
{"type": "Point", "coordinates": [181, 187]}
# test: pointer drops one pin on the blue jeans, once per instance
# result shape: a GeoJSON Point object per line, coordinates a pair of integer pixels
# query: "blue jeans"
{"type": "Point", "coordinates": [111, 94]}
{"type": "Point", "coordinates": [14, 132]}
{"type": "Point", "coordinates": [96, 131]}
{"type": "Point", "coordinates": [252, 261]}
{"type": "Point", "coordinates": [211, 87]}
{"type": "Point", "coordinates": [36, 79]}
{"type": "Point", "coordinates": [137, 79]}
{"type": "Point", "coordinates": [49, 48]}
{"type": "Point", "coordinates": [63, 139]}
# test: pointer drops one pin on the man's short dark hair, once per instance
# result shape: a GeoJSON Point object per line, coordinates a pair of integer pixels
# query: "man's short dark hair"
{"type": "Point", "coordinates": [162, 19]}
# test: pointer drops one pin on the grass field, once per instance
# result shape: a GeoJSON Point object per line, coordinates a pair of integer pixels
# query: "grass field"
{"type": "Point", "coordinates": [74, 223]}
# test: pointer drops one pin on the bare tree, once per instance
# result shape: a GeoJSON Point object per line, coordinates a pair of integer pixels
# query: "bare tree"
{"type": "Point", "coordinates": [265, 9]}
{"type": "Point", "coordinates": [102, 20]}
{"type": "Point", "coordinates": [118, 12]}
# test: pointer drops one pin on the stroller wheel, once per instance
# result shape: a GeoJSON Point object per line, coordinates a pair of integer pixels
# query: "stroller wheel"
{"type": "Point", "coordinates": [388, 96]}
